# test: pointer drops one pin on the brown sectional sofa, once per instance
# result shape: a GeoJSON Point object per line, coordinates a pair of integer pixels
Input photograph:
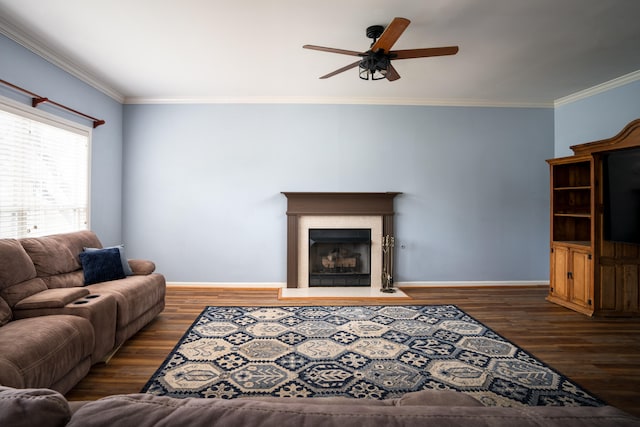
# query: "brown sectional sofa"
{"type": "Point", "coordinates": [53, 328]}
{"type": "Point", "coordinates": [46, 408]}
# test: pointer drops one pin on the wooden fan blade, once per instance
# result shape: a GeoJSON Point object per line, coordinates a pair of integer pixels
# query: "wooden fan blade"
{"type": "Point", "coordinates": [390, 35]}
{"type": "Point", "coordinates": [340, 70]}
{"type": "Point", "coordinates": [423, 53]}
{"type": "Point", "coordinates": [333, 50]}
{"type": "Point", "coordinates": [392, 73]}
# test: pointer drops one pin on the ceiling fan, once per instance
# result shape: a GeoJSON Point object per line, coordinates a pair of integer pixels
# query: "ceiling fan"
{"type": "Point", "coordinates": [376, 62]}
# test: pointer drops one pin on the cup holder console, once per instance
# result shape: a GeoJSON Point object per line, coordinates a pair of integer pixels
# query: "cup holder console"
{"type": "Point", "coordinates": [86, 299]}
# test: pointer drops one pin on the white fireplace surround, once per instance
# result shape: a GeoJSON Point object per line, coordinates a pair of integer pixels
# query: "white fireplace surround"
{"type": "Point", "coordinates": [372, 222]}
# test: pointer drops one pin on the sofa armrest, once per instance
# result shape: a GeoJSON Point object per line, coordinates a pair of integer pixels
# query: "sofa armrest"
{"type": "Point", "coordinates": [33, 407]}
{"type": "Point", "coordinates": [51, 298]}
{"type": "Point", "coordinates": [142, 267]}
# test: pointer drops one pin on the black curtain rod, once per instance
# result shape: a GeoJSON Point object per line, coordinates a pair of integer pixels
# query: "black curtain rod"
{"type": "Point", "coordinates": [37, 99]}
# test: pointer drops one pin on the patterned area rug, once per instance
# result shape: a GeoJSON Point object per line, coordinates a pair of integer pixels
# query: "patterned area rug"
{"type": "Point", "coordinates": [358, 351]}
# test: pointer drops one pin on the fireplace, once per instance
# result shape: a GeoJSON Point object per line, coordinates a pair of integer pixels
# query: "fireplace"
{"type": "Point", "coordinates": [337, 215]}
{"type": "Point", "coordinates": [340, 257]}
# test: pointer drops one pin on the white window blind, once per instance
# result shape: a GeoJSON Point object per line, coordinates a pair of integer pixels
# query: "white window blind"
{"type": "Point", "coordinates": [44, 175]}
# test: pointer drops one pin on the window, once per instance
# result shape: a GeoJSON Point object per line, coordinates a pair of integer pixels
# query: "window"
{"type": "Point", "coordinates": [44, 173]}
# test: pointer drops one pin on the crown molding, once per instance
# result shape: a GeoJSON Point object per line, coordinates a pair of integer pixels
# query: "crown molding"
{"type": "Point", "coordinates": [39, 48]}
{"type": "Point", "coordinates": [338, 101]}
{"type": "Point", "coordinates": [594, 90]}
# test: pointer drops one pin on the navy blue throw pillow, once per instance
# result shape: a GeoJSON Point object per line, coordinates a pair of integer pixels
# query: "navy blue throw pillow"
{"type": "Point", "coordinates": [101, 265]}
{"type": "Point", "coordinates": [123, 258]}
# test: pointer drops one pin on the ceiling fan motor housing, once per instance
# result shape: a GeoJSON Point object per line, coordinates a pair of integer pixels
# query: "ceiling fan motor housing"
{"type": "Point", "coordinates": [374, 32]}
{"type": "Point", "coordinates": [375, 61]}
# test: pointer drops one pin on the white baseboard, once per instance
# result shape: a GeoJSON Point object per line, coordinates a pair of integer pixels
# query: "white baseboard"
{"type": "Point", "coordinates": [485, 283]}
{"type": "Point", "coordinates": [261, 285]}
{"type": "Point", "coordinates": [277, 285]}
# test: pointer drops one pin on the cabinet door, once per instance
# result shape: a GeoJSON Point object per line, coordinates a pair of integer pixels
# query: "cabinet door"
{"type": "Point", "coordinates": [581, 278]}
{"type": "Point", "coordinates": [559, 272]}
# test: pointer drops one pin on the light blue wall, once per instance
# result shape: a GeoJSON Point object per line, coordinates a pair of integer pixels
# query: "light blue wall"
{"type": "Point", "coordinates": [21, 67]}
{"type": "Point", "coordinates": [196, 188]}
{"type": "Point", "coordinates": [202, 185]}
{"type": "Point", "coordinates": [597, 117]}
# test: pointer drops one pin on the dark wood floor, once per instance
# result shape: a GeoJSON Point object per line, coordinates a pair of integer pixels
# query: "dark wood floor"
{"type": "Point", "coordinates": [600, 354]}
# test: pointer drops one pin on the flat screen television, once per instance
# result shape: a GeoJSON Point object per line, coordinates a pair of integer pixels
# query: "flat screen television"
{"type": "Point", "coordinates": [621, 176]}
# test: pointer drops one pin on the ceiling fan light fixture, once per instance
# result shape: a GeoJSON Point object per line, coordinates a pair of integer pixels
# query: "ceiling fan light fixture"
{"type": "Point", "coordinates": [374, 66]}
{"type": "Point", "coordinates": [366, 74]}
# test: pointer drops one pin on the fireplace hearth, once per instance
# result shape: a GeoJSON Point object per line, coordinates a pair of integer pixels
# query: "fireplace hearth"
{"type": "Point", "coordinates": [339, 257]}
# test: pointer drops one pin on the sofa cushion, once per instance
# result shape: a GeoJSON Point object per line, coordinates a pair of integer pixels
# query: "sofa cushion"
{"type": "Point", "coordinates": [135, 295]}
{"type": "Point", "coordinates": [5, 312]}
{"type": "Point", "coordinates": [33, 407]}
{"type": "Point", "coordinates": [416, 398]}
{"type": "Point", "coordinates": [65, 280]}
{"type": "Point", "coordinates": [101, 265]}
{"type": "Point", "coordinates": [58, 253]}
{"type": "Point", "coordinates": [50, 256]}
{"type": "Point", "coordinates": [15, 264]}
{"type": "Point", "coordinates": [437, 398]}
{"type": "Point", "coordinates": [49, 347]}
{"type": "Point", "coordinates": [51, 298]}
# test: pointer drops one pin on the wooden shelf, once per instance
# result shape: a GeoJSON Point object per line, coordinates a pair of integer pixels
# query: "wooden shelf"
{"type": "Point", "coordinates": [581, 243]}
{"type": "Point", "coordinates": [581, 187]}
{"type": "Point", "coordinates": [574, 215]}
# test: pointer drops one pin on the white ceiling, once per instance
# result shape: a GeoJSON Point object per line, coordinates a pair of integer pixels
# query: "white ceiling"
{"type": "Point", "coordinates": [512, 52]}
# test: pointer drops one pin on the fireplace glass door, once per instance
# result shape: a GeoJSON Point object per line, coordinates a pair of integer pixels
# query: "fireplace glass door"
{"type": "Point", "coordinates": [340, 257]}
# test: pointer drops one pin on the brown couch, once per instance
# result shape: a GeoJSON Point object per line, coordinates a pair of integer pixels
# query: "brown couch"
{"type": "Point", "coordinates": [53, 327]}
{"type": "Point", "coordinates": [46, 408]}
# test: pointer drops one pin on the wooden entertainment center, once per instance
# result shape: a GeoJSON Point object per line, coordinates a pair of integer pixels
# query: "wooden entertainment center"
{"type": "Point", "coordinates": [589, 274]}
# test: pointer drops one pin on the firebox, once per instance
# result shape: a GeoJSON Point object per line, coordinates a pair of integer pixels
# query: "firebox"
{"type": "Point", "coordinates": [340, 257]}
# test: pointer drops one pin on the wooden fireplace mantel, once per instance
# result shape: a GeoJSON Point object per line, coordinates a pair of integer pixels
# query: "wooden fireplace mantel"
{"type": "Point", "coordinates": [312, 203]}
